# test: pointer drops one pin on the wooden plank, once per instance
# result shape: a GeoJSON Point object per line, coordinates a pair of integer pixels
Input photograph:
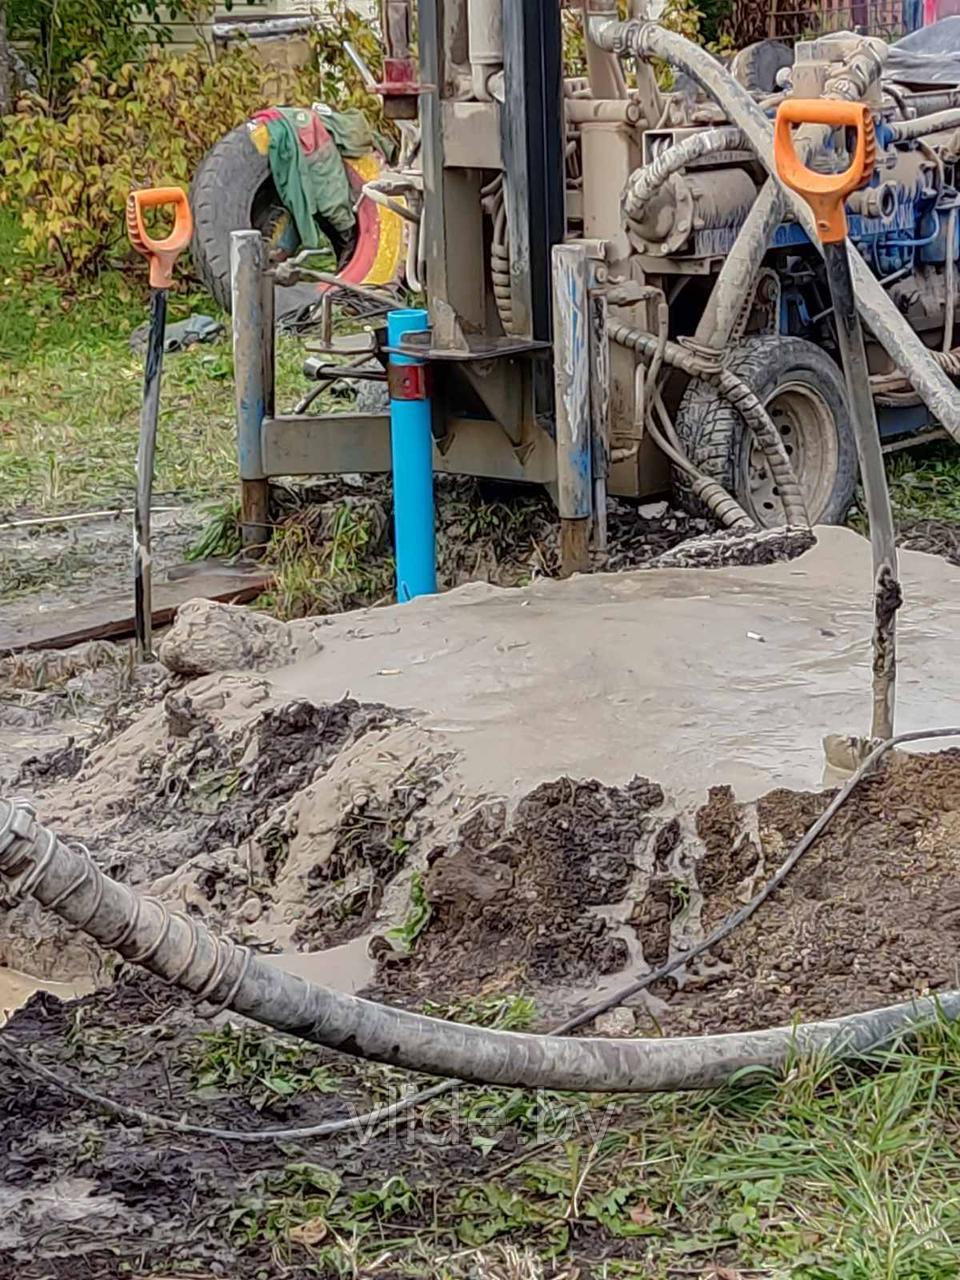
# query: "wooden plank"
{"type": "Point", "coordinates": [110, 617]}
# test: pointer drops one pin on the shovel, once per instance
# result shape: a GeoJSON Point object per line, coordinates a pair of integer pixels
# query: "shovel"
{"type": "Point", "coordinates": [162, 254]}
{"type": "Point", "coordinates": [825, 193]}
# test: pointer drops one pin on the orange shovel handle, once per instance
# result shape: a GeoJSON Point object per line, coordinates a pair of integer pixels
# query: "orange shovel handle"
{"type": "Point", "coordinates": [162, 253]}
{"type": "Point", "coordinates": [825, 192]}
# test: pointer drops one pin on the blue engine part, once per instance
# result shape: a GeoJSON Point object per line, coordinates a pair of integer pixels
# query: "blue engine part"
{"type": "Point", "coordinates": [913, 233]}
{"type": "Point", "coordinates": [888, 244]}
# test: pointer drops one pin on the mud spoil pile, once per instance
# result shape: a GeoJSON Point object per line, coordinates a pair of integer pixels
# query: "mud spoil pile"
{"type": "Point", "coordinates": [587, 881]}
{"type": "Point", "coordinates": [870, 916]}
{"type": "Point", "coordinates": [531, 902]}
{"type": "Point", "coordinates": [294, 824]}
{"type": "Point", "coordinates": [279, 821]}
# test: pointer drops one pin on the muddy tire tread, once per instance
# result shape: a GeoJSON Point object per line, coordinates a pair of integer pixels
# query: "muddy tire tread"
{"type": "Point", "coordinates": [710, 429]}
{"type": "Point", "coordinates": [221, 196]}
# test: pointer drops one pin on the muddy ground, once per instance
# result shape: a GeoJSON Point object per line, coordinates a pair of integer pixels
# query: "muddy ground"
{"type": "Point", "coordinates": [86, 1196]}
{"type": "Point", "coordinates": [50, 564]}
{"type": "Point", "coordinates": [581, 884]}
{"type": "Point", "coordinates": [300, 827]}
{"type": "Point", "coordinates": [485, 531]}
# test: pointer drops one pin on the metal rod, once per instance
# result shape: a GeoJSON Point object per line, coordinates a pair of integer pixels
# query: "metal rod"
{"type": "Point", "coordinates": [146, 449]}
{"type": "Point", "coordinates": [249, 341]}
{"type": "Point", "coordinates": [887, 591]}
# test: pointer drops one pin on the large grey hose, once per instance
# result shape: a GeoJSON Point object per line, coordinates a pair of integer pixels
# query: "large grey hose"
{"type": "Point", "coordinates": [735, 283]}
{"type": "Point", "coordinates": [649, 40]}
{"type": "Point", "coordinates": [183, 951]}
{"type": "Point", "coordinates": [737, 394]}
{"type": "Point", "coordinates": [737, 278]}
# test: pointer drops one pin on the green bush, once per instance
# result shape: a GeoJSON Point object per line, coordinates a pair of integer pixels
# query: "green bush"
{"type": "Point", "coordinates": [67, 175]}
{"type": "Point", "coordinates": [337, 81]}
{"type": "Point", "coordinates": [56, 34]}
{"type": "Point", "coordinates": [67, 170]}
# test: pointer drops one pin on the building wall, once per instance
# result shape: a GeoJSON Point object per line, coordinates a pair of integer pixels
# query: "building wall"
{"type": "Point", "coordinates": [186, 34]}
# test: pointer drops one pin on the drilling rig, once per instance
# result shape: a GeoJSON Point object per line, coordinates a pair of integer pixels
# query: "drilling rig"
{"type": "Point", "coordinates": [623, 299]}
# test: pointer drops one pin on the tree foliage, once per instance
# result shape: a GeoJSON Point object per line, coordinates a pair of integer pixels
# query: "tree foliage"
{"type": "Point", "coordinates": [57, 34]}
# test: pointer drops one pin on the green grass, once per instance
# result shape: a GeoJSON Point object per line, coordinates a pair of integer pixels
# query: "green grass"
{"type": "Point", "coordinates": [260, 1067]}
{"type": "Point", "coordinates": [925, 483]}
{"type": "Point", "coordinates": [70, 391]}
{"type": "Point", "coordinates": [418, 914]}
{"type": "Point", "coordinates": [316, 572]}
{"type": "Point", "coordinates": [833, 1173]}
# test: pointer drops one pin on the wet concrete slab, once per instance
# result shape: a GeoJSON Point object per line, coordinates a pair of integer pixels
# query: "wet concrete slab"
{"type": "Point", "coordinates": [692, 677]}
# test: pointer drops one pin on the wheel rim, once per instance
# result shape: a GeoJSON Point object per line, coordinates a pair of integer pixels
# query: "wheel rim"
{"type": "Point", "coordinates": [809, 433]}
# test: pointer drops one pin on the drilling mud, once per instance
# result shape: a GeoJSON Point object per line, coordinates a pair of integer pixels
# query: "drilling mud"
{"type": "Point", "coordinates": [411, 807]}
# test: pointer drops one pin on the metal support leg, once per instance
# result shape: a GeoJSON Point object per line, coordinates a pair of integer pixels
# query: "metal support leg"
{"type": "Point", "coordinates": [571, 360]}
{"type": "Point", "coordinates": [599, 404]}
{"type": "Point", "coordinates": [246, 271]}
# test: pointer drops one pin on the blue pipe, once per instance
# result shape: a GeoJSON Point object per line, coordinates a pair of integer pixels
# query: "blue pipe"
{"type": "Point", "coordinates": [411, 448]}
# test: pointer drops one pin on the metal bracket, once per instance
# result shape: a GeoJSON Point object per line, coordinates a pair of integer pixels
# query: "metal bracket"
{"type": "Point", "coordinates": [478, 348]}
{"type": "Point", "coordinates": [408, 381]}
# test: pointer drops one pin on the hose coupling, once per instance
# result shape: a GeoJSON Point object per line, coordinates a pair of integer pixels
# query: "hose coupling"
{"type": "Point", "coordinates": [711, 357]}
{"type": "Point", "coordinates": [288, 273]}
{"type": "Point", "coordinates": [18, 831]}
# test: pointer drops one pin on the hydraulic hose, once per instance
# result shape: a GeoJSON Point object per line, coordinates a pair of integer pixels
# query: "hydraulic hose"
{"type": "Point", "coordinates": [739, 396]}
{"type": "Point", "coordinates": [183, 951]}
{"type": "Point", "coordinates": [647, 181]}
{"type": "Point", "coordinates": [721, 505]}
{"type": "Point", "coordinates": [908, 130]}
{"type": "Point", "coordinates": [737, 277]}
{"type": "Point", "coordinates": [492, 200]}
{"type": "Point", "coordinates": [500, 270]}
{"type": "Point", "coordinates": [648, 40]}
{"type": "Point", "coordinates": [949, 362]}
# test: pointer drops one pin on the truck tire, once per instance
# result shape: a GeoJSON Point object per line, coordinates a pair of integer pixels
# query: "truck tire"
{"type": "Point", "coordinates": [232, 190]}
{"type": "Point", "coordinates": [803, 391]}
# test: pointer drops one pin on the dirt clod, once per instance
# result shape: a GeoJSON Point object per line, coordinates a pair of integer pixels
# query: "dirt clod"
{"type": "Point", "coordinates": [517, 902]}
{"type": "Point", "coordinates": [653, 916]}
{"type": "Point", "coordinates": [730, 855]}
{"type": "Point", "coordinates": [870, 915]}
